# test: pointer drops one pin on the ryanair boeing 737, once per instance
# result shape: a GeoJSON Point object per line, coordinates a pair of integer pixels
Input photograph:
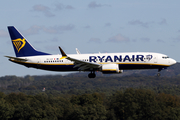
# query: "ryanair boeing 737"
{"type": "Point", "coordinates": [105, 62]}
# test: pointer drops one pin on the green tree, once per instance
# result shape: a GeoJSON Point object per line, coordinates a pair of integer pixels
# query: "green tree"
{"type": "Point", "coordinates": [134, 104]}
{"type": "Point", "coordinates": [88, 107]}
{"type": "Point", "coordinates": [6, 110]}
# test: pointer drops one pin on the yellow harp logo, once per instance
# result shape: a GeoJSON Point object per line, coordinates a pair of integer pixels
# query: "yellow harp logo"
{"type": "Point", "coordinates": [19, 43]}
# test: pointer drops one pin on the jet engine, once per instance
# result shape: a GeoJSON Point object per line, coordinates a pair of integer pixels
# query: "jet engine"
{"type": "Point", "coordinates": [110, 68]}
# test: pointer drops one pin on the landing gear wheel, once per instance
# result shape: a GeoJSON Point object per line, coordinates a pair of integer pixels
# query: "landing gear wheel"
{"type": "Point", "coordinates": [91, 75]}
{"type": "Point", "coordinates": [158, 74]}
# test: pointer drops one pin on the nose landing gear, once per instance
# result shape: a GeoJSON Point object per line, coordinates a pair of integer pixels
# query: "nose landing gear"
{"type": "Point", "coordinates": [158, 74]}
{"type": "Point", "coordinates": [92, 74]}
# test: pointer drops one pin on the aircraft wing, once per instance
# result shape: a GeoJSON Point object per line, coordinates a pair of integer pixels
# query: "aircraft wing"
{"type": "Point", "coordinates": [83, 65]}
{"type": "Point", "coordinates": [15, 58]}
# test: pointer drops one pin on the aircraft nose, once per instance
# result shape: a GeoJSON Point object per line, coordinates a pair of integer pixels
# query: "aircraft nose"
{"type": "Point", "coordinates": [173, 61]}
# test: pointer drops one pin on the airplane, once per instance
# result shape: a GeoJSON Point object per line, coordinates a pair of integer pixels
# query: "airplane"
{"type": "Point", "coordinates": [107, 63]}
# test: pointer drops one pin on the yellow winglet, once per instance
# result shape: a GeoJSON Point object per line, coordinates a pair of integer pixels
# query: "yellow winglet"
{"type": "Point", "coordinates": [63, 57]}
{"type": "Point", "coordinates": [63, 54]}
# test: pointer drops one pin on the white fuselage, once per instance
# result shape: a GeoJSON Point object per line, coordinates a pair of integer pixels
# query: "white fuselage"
{"type": "Point", "coordinates": [132, 60]}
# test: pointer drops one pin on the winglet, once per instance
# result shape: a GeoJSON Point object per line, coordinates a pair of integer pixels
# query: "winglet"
{"type": "Point", "coordinates": [63, 53]}
{"type": "Point", "coordinates": [78, 52]}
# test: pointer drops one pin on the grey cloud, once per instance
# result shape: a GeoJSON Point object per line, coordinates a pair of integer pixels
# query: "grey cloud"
{"type": "Point", "coordinates": [44, 41]}
{"type": "Point", "coordinates": [177, 39]}
{"type": "Point", "coordinates": [59, 29]}
{"type": "Point", "coordinates": [146, 24]}
{"type": "Point", "coordinates": [134, 40]}
{"type": "Point", "coordinates": [87, 27]}
{"type": "Point", "coordinates": [60, 6]}
{"type": "Point", "coordinates": [107, 24]}
{"type": "Point", "coordinates": [35, 29]}
{"type": "Point", "coordinates": [40, 42]}
{"type": "Point", "coordinates": [160, 41]}
{"type": "Point", "coordinates": [43, 9]}
{"type": "Point", "coordinates": [95, 5]}
{"type": "Point", "coordinates": [3, 33]}
{"type": "Point", "coordinates": [32, 30]}
{"type": "Point", "coordinates": [145, 39]}
{"type": "Point", "coordinates": [118, 38]}
{"type": "Point", "coordinates": [69, 7]}
{"type": "Point", "coordinates": [95, 40]}
{"type": "Point", "coordinates": [54, 40]}
{"type": "Point", "coordinates": [138, 22]}
{"type": "Point", "coordinates": [51, 47]}
{"type": "Point", "coordinates": [163, 22]}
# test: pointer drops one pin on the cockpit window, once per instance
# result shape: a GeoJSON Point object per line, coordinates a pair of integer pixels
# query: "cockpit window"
{"type": "Point", "coordinates": [165, 57]}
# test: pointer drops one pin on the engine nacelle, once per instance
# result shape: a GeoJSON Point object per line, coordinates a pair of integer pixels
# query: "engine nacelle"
{"type": "Point", "coordinates": [110, 68]}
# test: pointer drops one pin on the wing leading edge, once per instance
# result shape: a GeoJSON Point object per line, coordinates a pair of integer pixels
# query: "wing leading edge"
{"type": "Point", "coordinates": [83, 65]}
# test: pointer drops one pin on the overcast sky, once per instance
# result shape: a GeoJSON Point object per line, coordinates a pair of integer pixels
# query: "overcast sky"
{"type": "Point", "coordinates": [91, 26]}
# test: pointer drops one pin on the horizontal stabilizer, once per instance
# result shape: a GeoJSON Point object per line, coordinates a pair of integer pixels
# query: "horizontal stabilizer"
{"type": "Point", "coordinates": [15, 58]}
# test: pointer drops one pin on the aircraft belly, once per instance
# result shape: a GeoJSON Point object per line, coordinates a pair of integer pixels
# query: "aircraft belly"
{"type": "Point", "coordinates": [139, 66]}
{"type": "Point", "coordinates": [59, 67]}
{"type": "Point", "coordinates": [49, 67]}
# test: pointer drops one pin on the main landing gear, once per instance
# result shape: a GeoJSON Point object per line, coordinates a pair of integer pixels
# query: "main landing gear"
{"type": "Point", "coordinates": [159, 74]}
{"type": "Point", "coordinates": [92, 74]}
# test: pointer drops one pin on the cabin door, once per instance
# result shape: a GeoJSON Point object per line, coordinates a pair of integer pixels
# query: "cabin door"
{"type": "Point", "coordinates": [38, 63]}
{"type": "Point", "coordinates": [155, 59]}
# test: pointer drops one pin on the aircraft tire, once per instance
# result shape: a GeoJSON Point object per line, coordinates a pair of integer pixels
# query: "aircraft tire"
{"type": "Point", "coordinates": [158, 74]}
{"type": "Point", "coordinates": [91, 75]}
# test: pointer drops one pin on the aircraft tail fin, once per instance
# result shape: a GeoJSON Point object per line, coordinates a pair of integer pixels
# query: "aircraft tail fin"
{"type": "Point", "coordinates": [21, 46]}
